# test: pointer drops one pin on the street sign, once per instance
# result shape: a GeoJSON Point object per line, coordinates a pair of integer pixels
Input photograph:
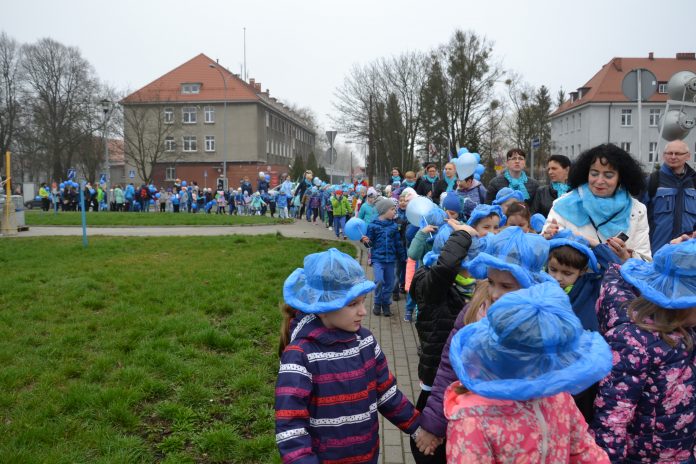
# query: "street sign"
{"type": "Point", "coordinates": [71, 174]}
{"type": "Point", "coordinates": [330, 155]}
{"type": "Point", "coordinates": [630, 85]}
{"type": "Point", "coordinates": [131, 174]}
{"type": "Point", "coordinates": [536, 142]}
{"type": "Point", "coordinates": [331, 135]}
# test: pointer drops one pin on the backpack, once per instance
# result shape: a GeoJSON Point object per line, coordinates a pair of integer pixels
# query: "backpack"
{"type": "Point", "coordinates": [143, 193]}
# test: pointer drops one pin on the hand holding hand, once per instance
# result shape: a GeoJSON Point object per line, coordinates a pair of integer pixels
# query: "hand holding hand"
{"type": "Point", "coordinates": [683, 238]}
{"type": "Point", "coordinates": [427, 442]}
{"type": "Point", "coordinates": [552, 229]}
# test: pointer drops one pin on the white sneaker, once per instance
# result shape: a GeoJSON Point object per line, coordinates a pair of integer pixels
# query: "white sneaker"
{"type": "Point", "coordinates": [330, 228]}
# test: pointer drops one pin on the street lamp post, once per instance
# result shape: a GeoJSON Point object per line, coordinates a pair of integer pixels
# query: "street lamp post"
{"type": "Point", "coordinates": [106, 105]}
{"type": "Point", "coordinates": [224, 128]}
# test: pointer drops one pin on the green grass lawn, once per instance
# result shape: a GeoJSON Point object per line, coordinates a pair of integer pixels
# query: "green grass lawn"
{"type": "Point", "coordinates": [142, 349]}
{"type": "Point", "coordinates": [105, 219]}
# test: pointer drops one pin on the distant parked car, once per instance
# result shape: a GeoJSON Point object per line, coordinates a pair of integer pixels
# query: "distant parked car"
{"type": "Point", "coordinates": [31, 204]}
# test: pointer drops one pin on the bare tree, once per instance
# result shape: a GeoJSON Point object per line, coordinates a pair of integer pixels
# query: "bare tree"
{"type": "Point", "coordinates": [10, 58]}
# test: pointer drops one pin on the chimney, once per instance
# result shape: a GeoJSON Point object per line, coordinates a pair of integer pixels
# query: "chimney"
{"type": "Point", "coordinates": [252, 81]}
{"type": "Point", "coordinates": [686, 56]}
{"type": "Point", "coordinates": [651, 56]}
{"type": "Point", "coordinates": [257, 87]}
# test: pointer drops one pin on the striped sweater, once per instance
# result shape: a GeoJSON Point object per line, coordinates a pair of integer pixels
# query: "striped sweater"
{"type": "Point", "coordinates": [331, 384]}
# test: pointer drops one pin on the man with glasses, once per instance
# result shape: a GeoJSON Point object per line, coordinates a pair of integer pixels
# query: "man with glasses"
{"type": "Point", "coordinates": [514, 177]}
{"type": "Point", "coordinates": [671, 196]}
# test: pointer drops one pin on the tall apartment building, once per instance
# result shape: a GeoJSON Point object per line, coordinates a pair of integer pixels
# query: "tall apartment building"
{"type": "Point", "coordinates": [598, 112]}
{"type": "Point", "coordinates": [208, 119]}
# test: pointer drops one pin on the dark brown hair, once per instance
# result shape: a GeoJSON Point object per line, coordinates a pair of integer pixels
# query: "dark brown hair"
{"type": "Point", "coordinates": [515, 151]}
{"type": "Point", "coordinates": [566, 255]}
{"type": "Point", "coordinates": [519, 208]}
{"type": "Point", "coordinates": [289, 314]}
{"type": "Point", "coordinates": [666, 322]}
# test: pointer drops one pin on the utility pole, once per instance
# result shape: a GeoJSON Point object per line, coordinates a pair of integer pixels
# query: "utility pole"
{"type": "Point", "coordinates": [370, 147]}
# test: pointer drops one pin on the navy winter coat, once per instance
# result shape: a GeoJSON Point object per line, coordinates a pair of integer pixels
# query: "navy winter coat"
{"type": "Point", "coordinates": [385, 241]}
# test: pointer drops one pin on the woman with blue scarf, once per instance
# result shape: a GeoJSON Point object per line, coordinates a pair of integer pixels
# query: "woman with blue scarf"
{"type": "Point", "coordinates": [425, 186]}
{"type": "Point", "coordinates": [599, 205]}
{"type": "Point", "coordinates": [557, 167]}
{"type": "Point", "coordinates": [514, 177]}
{"type": "Point", "coordinates": [448, 183]}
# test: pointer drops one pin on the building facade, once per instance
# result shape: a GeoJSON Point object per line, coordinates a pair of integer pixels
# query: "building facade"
{"type": "Point", "coordinates": [598, 112]}
{"type": "Point", "coordinates": [202, 123]}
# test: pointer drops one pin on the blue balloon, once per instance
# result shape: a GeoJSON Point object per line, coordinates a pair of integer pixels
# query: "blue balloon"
{"type": "Point", "coordinates": [477, 176]}
{"type": "Point", "coordinates": [461, 151]}
{"type": "Point", "coordinates": [480, 169]}
{"type": "Point", "coordinates": [152, 202]}
{"type": "Point", "coordinates": [62, 185]}
{"type": "Point", "coordinates": [183, 183]}
{"type": "Point", "coordinates": [268, 178]}
{"type": "Point", "coordinates": [157, 195]}
{"type": "Point", "coordinates": [92, 191]}
{"type": "Point", "coordinates": [37, 197]}
{"type": "Point", "coordinates": [355, 228]}
{"type": "Point", "coordinates": [478, 157]}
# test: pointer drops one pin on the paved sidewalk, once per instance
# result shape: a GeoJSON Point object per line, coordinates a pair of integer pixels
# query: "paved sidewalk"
{"type": "Point", "coordinates": [397, 338]}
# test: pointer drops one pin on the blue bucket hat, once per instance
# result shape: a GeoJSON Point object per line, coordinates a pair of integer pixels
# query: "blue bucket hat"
{"type": "Point", "coordinates": [566, 238]}
{"type": "Point", "coordinates": [537, 222]}
{"type": "Point", "coordinates": [505, 194]}
{"type": "Point", "coordinates": [328, 282]}
{"type": "Point", "coordinates": [435, 217]}
{"type": "Point", "coordinates": [522, 254]}
{"type": "Point", "coordinates": [670, 280]}
{"type": "Point", "coordinates": [478, 244]}
{"type": "Point", "coordinates": [530, 345]}
{"type": "Point", "coordinates": [483, 211]}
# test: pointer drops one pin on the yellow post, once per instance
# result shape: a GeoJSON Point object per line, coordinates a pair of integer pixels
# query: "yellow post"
{"type": "Point", "coordinates": [9, 223]}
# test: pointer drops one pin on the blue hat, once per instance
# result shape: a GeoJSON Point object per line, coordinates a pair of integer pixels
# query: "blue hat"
{"type": "Point", "coordinates": [566, 238]}
{"type": "Point", "coordinates": [452, 203]}
{"type": "Point", "coordinates": [530, 345]}
{"type": "Point", "coordinates": [478, 244]}
{"type": "Point", "coordinates": [435, 217]}
{"type": "Point", "coordinates": [506, 193]}
{"type": "Point", "coordinates": [483, 211]}
{"type": "Point", "coordinates": [329, 281]}
{"type": "Point", "coordinates": [513, 250]}
{"type": "Point", "coordinates": [670, 280]}
{"type": "Point", "coordinates": [537, 222]}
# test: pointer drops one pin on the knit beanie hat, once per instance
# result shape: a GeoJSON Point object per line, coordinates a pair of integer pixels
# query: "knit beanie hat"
{"type": "Point", "coordinates": [383, 205]}
{"type": "Point", "coordinates": [452, 203]}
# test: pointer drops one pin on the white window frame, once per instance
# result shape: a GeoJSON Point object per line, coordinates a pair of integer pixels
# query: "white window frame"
{"type": "Point", "coordinates": [169, 144]}
{"type": "Point", "coordinates": [169, 115]}
{"type": "Point", "coordinates": [170, 173]}
{"type": "Point", "coordinates": [652, 152]}
{"type": "Point", "coordinates": [654, 116]}
{"type": "Point", "coordinates": [662, 87]}
{"type": "Point", "coordinates": [626, 146]}
{"type": "Point", "coordinates": [209, 143]}
{"type": "Point", "coordinates": [579, 121]}
{"type": "Point", "coordinates": [626, 117]}
{"type": "Point", "coordinates": [209, 114]}
{"type": "Point", "coordinates": [190, 88]}
{"type": "Point", "coordinates": [190, 144]}
{"type": "Point", "coordinates": [189, 115]}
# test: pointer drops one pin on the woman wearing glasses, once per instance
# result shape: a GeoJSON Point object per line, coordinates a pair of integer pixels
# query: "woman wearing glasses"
{"type": "Point", "coordinates": [514, 177]}
{"type": "Point", "coordinates": [600, 204]}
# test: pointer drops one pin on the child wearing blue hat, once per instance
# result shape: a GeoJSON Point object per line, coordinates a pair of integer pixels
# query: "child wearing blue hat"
{"type": "Point", "coordinates": [507, 196]}
{"type": "Point", "coordinates": [515, 370]}
{"type": "Point", "coordinates": [646, 407]}
{"type": "Point", "coordinates": [487, 219]}
{"type": "Point", "coordinates": [333, 377]}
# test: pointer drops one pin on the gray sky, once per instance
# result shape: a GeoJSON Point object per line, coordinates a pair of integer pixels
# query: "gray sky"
{"type": "Point", "coordinates": [301, 50]}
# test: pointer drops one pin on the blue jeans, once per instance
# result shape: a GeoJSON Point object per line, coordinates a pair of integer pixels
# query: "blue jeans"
{"type": "Point", "coordinates": [384, 278]}
{"type": "Point", "coordinates": [339, 224]}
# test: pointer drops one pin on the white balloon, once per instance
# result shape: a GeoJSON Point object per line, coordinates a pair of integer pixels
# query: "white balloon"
{"type": "Point", "coordinates": [417, 209]}
{"type": "Point", "coordinates": [465, 165]}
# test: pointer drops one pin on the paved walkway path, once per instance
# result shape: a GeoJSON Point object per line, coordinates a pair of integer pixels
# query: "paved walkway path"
{"type": "Point", "coordinates": [397, 338]}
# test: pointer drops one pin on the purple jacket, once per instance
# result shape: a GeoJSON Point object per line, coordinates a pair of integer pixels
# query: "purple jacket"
{"type": "Point", "coordinates": [331, 384]}
{"type": "Point", "coordinates": [645, 409]}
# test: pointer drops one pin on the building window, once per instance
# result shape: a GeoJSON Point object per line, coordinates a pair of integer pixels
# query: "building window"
{"type": "Point", "coordinates": [654, 117]}
{"type": "Point", "coordinates": [169, 144]}
{"type": "Point", "coordinates": [209, 143]}
{"type": "Point", "coordinates": [579, 123]}
{"type": "Point", "coordinates": [209, 114]}
{"type": "Point", "coordinates": [579, 149]}
{"type": "Point", "coordinates": [662, 87]}
{"type": "Point", "coordinates": [626, 146]}
{"type": "Point", "coordinates": [572, 151]}
{"type": "Point", "coordinates": [190, 143]}
{"type": "Point", "coordinates": [268, 119]}
{"type": "Point", "coordinates": [188, 114]}
{"type": "Point", "coordinates": [573, 123]}
{"type": "Point", "coordinates": [169, 116]}
{"type": "Point", "coordinates": [626, 120]}
{"type": "Point", "coordinates": [190, 88]}
{"type": "Point", "coordinates": [652, 152]}
{"type": "Point", "coordinates": [170, 173]}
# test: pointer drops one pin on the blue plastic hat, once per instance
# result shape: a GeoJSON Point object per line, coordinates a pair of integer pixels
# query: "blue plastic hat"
{"type": "Point", "coordinates": [483, 211]}
{"type": "Point", "coordinates": [521, 254]}
{"type": "Point", "coordinates": [537, 222]}
{"type": "Point", "coordinates": [329, 281]}
{"type": "Point", "coordinates": [670, 280]}
{"type": "Point", "coordinates": [478, 244]}
{"type": "Point", "coordinates": [505, 194]}
{"type": "Point", "coordinates": [566, 238]}
{"type": "Point", "coordinates": [530, 345]}
{"type": "Point", "coordinates": [452, 202]}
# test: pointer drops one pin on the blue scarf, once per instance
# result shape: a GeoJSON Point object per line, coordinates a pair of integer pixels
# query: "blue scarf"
{"type": "Point", "coordinates": [409, 183]}
{"type": "Point", "coordinates": [517, 184]}
{"type": "Point", "coordinates": [432, 180]}
{"type": "Point", "coordinates": [450, 183]}
{"type": "Point", "coordinates": [307, 182]}
{"type": "Point", "coordinates": [610, 215]}
{"type": "Point", "coordinates": [396, 179]}
{"type": "Point", "coordinates": [560, 187]}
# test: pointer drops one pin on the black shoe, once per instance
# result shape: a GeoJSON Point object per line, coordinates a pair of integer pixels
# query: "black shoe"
{"type": "Point", "coordinates": [376, 310]}
{"type": "Point", "coordinates": [396, 296]}
{"type": "Point", "coordinates": [386, 311]}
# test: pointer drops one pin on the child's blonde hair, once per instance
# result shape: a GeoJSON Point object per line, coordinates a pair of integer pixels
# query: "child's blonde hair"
{"type": "Point", "coordinates": [479, 299]}
{"type": "Point", "coordinates": [666, 322]}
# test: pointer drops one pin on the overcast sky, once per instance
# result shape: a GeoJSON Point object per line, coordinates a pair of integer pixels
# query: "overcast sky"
{"type": "Point", "coordinates": [302, 49]}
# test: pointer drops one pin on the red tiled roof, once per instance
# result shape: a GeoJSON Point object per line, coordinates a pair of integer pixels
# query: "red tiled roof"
{"type": "Point", "coordinates": [605, 86]}
{"type": "Point", "coordinates": [195, 71]}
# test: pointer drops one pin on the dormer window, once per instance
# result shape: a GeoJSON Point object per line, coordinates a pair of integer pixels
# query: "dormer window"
{"type": "Point", "coordinates": [190, 88]}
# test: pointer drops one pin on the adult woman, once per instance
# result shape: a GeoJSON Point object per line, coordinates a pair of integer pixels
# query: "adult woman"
{"type": "Point", "coordinates": [396, 175]}
{"type": "Point", "coordinates": [599, 206]}
{"type": "Point", "coordinates": [557, 168]}
{"type": "Point", "coordinates": [302, 188]}
{"type": "Point", "coordinates": [514, 177]}
{"type": "Point", "coordinates": [425, 186]}
{"type": "Point", "coordinates": [448, 183]}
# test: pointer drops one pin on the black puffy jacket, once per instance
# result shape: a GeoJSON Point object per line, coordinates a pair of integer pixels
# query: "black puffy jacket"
{"type": "Point", "coordinates": [439, 303]}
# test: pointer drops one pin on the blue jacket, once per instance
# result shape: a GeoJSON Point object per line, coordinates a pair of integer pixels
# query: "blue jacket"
{"type": "Point", "coordinates": [583, 297]}
{"type": "Point", "coordinates": [385, 241]}
{"type": "Point", "coordinates": [367, 213]}
{"type": "Point", "coordinates": [672, 211]}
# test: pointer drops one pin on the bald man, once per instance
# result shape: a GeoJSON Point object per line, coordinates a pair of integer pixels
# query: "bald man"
{"type": "Point", "coordinates": [671, 196]}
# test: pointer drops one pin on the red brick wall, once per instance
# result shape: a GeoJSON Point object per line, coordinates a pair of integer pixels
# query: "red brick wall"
{"type": "Point", "coordinates": [191, 172]}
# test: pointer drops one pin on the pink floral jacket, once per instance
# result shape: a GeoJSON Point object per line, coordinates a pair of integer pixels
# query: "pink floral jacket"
{"type": "Point", "coordinates": [546, 431]}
